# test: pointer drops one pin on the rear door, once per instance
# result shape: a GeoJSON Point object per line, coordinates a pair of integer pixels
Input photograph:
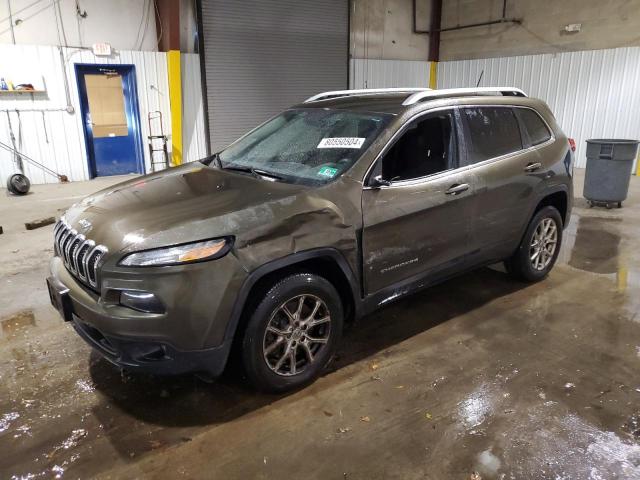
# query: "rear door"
{"type": "Point", "coordinates": [507, 176]}
{"type": "Point", "coordinates": [419, 223]}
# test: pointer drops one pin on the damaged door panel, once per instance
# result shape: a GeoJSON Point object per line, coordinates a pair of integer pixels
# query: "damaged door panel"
{"type": "Point", "coordinates": [417, 210]}
{"type": "Point", "coordinates": [413, 229]}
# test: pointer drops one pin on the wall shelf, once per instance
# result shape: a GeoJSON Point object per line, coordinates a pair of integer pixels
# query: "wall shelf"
{"type": "Point", "coordinates": [5, 92]}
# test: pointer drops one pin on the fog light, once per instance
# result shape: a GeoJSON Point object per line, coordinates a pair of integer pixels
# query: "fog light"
{"type": "Point", "coordinates": [141, 301]}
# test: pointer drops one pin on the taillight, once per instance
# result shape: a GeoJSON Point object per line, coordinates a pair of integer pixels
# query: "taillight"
{"type": "Point", "coordinates": [572, 144]}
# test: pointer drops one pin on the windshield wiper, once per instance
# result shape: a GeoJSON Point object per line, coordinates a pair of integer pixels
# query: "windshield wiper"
{"type": "Point", "coordinates": [256, 172]}
{"type": "Point", "coordinates": [213, 158]}
{"type": "Point", "coordinates": [237, 168]}
{"type": "Point", "coordinates": [264, 173]}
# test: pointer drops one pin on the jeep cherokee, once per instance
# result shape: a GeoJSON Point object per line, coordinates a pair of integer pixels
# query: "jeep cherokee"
{"type": "Point", "coordinates": [322, 214]}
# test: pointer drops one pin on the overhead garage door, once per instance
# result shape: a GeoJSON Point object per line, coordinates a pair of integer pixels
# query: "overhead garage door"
{"type": "Point", "coordinates": [261, 56]}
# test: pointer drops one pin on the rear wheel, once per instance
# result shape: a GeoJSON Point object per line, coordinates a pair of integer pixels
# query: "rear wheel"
{"type": "Point", "coordinates": [538, 251]}
{"type": "Point", "coordinates": [293, 333]}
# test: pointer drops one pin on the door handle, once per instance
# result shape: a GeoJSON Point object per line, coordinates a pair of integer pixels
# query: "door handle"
{"type": "Point", "coordinates": [457, 188]}
{"type": "Point", "coordinates": [532, 167]}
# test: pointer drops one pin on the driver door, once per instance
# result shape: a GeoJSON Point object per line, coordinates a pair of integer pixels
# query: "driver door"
{"type": "Point", "coordinates": [418, 221]}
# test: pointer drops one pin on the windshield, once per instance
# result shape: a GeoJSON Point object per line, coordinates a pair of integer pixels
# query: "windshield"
{"type": "Point", "coordinates": [307, 146]}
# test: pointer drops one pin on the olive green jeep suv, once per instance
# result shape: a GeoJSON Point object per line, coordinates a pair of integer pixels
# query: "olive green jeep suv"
{"type": "Point", "coordinates": [322, 214]}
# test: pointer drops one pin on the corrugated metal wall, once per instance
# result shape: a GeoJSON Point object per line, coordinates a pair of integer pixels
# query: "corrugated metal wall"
{"type": "Point", "coordinates": [55, 137]}
{"type": "Point", "coordinates": [365, 73]}
{"type": "Point", "coordinates": [594, 94]}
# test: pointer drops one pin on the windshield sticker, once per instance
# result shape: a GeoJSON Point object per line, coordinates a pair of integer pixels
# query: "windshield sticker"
{"type": "Point", "coordinates": [341, 142]}
{"type": "Point", "coordinates": [328, 172]}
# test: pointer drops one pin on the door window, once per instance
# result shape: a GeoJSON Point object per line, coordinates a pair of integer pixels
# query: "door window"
{"type": "Point", "coordinates": [105, 96]}
{"type": "Point", "coordinates": [491, 132]}
{"type": "Point", "coordinates": [425, 148]}
{"type": "Point", "coordinates": [534, 126]}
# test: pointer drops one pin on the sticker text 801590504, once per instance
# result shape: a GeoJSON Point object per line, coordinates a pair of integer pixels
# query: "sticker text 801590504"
{"type": "Point", "coordinates": [341, 142]}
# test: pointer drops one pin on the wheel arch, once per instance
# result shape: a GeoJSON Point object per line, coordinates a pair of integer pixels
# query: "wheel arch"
{"type": "Point", "coordinates": [325, 262]}
{"type": "Point", "coordinates": [557, 198]}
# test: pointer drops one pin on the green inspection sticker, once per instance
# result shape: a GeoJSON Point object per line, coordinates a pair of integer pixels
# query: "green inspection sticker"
{"type": "Point", "coordinates": [327, 172]}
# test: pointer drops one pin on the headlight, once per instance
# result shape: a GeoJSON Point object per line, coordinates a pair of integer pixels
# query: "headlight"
{"type": "Point", "coordinates": [179, 254]}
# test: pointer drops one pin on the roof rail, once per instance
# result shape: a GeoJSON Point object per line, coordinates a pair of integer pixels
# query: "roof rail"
{"type": "Point", "coordinates": [364, 91]}
{"type": "Point", "coordinates": [462, 92]}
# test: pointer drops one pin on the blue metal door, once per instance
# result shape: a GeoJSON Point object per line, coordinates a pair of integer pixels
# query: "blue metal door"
{"type": "Point", "coordinates": [111, 122]}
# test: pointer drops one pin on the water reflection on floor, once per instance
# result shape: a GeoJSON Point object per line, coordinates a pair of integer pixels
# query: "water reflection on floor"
{"type": "Point", "coordinates": [594, 242]}
{"type": "Point", "coordinates": [597, 245]}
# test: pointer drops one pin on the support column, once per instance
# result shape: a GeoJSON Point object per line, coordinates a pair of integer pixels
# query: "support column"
{"type": "Point", "coordinates": [175, 100]}
{"type": "Point", "coordinates": [168, 22]}
{"type": "Point", "coordinates": [434, 42]}
{"type": "Point", "coordinates": [433, 75]}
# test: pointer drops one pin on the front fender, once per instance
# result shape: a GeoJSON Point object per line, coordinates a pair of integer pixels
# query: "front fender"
{"type": "Point", "coordinates": [285, 262]}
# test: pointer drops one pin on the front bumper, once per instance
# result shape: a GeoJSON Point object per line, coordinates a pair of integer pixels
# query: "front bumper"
{"type": "Point", "coordinates": [159, 358]}
{"type": "Point", "coordinates": [187, 337]}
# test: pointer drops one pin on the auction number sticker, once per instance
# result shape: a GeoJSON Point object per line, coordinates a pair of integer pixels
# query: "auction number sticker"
{"type": "Point", "coordinates": [341, 142]}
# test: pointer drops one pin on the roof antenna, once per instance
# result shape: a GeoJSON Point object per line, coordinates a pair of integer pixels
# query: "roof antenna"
{"type": "Point", "coordinates": [479, 78]}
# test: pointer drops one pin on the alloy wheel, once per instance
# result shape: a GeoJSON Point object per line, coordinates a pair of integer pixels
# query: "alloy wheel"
{"type": "Point", "coordinates": [543, 244]}
{"type": "Point", "coordinates": [297, 332]}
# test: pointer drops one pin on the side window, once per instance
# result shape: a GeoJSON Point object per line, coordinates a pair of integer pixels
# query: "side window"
{"type": "Point", "coordinates": [491, 132]}
{"type": "Point", "coordinates": [428, 146]}
{"type": "Point", "coordinates": [535, 127]}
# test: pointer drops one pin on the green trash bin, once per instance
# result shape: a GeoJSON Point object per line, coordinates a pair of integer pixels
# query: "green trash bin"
{"type": "Point", "coordinates": [609, 163]}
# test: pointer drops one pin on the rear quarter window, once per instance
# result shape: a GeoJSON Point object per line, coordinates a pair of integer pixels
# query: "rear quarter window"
{"type": "Point", "coordinates": [491, 132]}
{"type": "Point", "coordinates": [536, 129]}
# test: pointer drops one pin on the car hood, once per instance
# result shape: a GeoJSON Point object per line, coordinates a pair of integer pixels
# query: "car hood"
{"type": "Point", "coordinates": [188, 203]}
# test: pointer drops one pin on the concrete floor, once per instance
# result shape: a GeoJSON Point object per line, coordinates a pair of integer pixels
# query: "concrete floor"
{"type": "Point", "coordinates": [480, 374]}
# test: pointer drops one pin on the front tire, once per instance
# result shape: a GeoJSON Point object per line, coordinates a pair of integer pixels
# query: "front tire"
{"type": "Point", "coordinates": [538, 251]}
{"type": "Point", "coordinates": [293, 333]}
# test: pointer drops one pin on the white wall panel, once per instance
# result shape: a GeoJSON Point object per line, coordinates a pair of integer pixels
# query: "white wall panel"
{"type": "Point", "coordinates": [194, 143]}
{"type": "Point", "coordinates": [593, 94]}
{"type": "Point", "coordinates": [55, 137]}
{"type": "Point", "coordinates": [125, 24]}
{"type": "Point", "coordinates": [365, 73]}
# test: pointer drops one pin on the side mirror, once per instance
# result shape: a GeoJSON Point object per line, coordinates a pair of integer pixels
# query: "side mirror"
{"type": "Point", "coordinates": [378, 181]}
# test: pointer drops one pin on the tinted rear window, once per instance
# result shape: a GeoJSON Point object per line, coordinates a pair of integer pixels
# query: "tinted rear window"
{"type": "Point", "coordinates": [536, 128]}
{"type": "Point", "coordinates": [492, 132]}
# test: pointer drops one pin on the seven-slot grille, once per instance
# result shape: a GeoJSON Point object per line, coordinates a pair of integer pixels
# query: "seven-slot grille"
{"type": "Point", "coordinates": [80, 255]}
